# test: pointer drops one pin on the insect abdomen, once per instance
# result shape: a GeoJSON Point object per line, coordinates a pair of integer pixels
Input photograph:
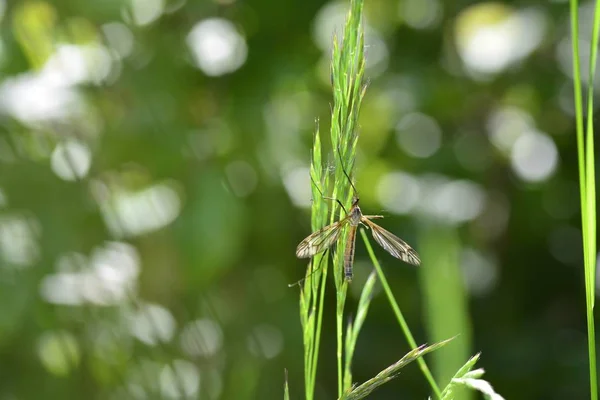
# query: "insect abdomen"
{"type": "Point", "coordinates": [349, 254]}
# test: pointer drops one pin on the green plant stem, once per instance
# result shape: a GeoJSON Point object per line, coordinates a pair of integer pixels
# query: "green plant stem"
{"type": "Point", "coordinates": [585, 151]}
{"type": "Point", "coordinates": [341, 301]}
{"type": "Point", "coordinates": [318, 331]}
{"type": "Point", "coordinates": [339, 354]}
{"type": "Point", "coordinates": [399, 316]}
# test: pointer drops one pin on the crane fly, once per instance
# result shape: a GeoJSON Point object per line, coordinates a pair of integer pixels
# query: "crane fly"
{"type": "Point", "coordinates": [325, 237]}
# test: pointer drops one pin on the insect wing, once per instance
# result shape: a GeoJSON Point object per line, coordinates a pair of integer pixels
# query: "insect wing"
{"type": "Point", "coordinates": [320, 240]}
{"type": "Point", "coordinates": [393, 244]}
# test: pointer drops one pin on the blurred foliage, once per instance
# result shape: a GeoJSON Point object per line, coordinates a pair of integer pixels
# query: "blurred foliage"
{"type": "Point", "coordinates": [154, 184]}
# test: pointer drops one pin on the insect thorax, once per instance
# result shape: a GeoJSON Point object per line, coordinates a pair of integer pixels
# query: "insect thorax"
{"type": "Point", "coordinates": [355, 215]}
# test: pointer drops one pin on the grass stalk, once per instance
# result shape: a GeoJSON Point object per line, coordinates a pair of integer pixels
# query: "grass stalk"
{"type": "Point", "coordinates": [587, 185]}
{"type": "Point", "coordinates": [347, 72]}
{"type": "Point", "coordinates": [403, 325]}
{"type": "Point", "coordinates": [312, 294]}
{"type": "Point", "coordinates": [354, 328]}
{"type": "Point", "coordinates": [445, 300]}
{"type": "Point", "coordinates": [365, 389]}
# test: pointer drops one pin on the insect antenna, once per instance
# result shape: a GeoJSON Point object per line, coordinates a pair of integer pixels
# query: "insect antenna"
{"type": "Point", "coordinates": [325, 197]}
{"type": "Point", "coordinates": [345, 173]}
{"type": "Point", "coordinates": [319, 266]}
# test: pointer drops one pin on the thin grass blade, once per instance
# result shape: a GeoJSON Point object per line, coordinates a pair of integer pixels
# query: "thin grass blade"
{"type": "Point", "coordinates": [401, 321]}
{"type": "Point", "coordinates": [354, 328]}
{"type": "Point", "coordinates": [392, 371]}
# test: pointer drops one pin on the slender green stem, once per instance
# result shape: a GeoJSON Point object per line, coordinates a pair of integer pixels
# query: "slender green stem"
{"type": "Point", "coordinates": [339, 355]}
{"type": "Point", "coordinates": [399, 316]}
{"type": "Point", "coordinates": [585, 150]}
{"type": "Point", "coordinates": [318, 335]}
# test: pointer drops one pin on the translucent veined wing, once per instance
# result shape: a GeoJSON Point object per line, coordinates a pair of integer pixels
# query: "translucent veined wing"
{"type": "Point", "coordinates": [320, 240]}
{"type": "Point", "coordinates": [393, 244]}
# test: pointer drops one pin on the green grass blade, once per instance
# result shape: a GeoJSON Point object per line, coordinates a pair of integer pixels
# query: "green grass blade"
{"type": "Point", "coordinates": [445, 300]}
{"type": "Point", "coordinates": [586, 164]}
{"type": "Point", "coordinates": [354, 328]}
{"type": "Point", "coordinates": [399, 316]}
{"type": "Point", "coordinates": [391, 372]}
{"type": "Point", "coordinates": [319, 325]}
{"type": "Point", "coordinates": [286, 389]}
{"type": "Point", "coordinates": [312, 295]}
{"type": "Point", "coordinates": [347, 71]}
{"type": "Point", "coordinates": [468, 378]}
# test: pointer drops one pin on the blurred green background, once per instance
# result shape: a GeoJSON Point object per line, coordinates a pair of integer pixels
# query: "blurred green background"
{"type": "Point", "coordinates": [154, 186]}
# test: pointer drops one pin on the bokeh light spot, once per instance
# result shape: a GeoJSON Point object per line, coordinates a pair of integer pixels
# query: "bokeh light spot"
{"type": "Point", "coordinates": [265, 341]}
{"type": "Point", "coordinates": [72, 64]}
{"type": "Point", "coordinates": [179, 380]}
{"type": "Point", "coordinates": [480, 272]}
{"type": "Point", "coordinates": [242, 178]}
{"type": "Point", "coordinates": [19, 240]}
{"type": "Point", "coordinates": [329, 21]}
{"type": "Point", "coordinates": [71, 160]}
{"type": "Point", "coordinates": [144, 12]}
{"type": "Point", "coordinates": [398, 192]}
{"type": "Point", "coordinates": [120, 39]}
{"type": "Point", "coordinates": [108, 277]}
{"type": "Point", "coordinates": [33, 98]}
{"type": "Point", "coordinates": [490, 36]}
{"type": "Point", "coordinates": [452, 201]}
{"type": "Point", "coordinates": [59, 352]}
{"type": "Point", "coordinates": [534, 157]}
{"type": "Point", "coordinates": [217, 46]}
{"type": "Point", "coordinates": [128, 213]}
{"type": "Point", "coordinates": [297, 183]}
{"type": "Point", "coordinates": [152, 324]}
{"type": "Point", "coordinates": [202, 337]}
{"type": "Point", "coordinates": [419, 135]}
{"type": "Point", "coordinates": [421, 14]}
{"type": "Point", "coordinates": [506, 125]}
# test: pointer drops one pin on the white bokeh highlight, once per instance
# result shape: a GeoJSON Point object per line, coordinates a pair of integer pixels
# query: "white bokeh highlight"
{"type": "Point", "coordinates": [421, 14]}
{"type": "Point", "coordinates": [398, 192]}
{"type": "Point", "coordinates": [330, 21]}
{"type": "Point", "coordinates": [480, 272]}
{"type": "Point", "coordinates": [418, 135]}
{"type": "Point", "coordinates": [152, 324]}
{"type": "Point", "coordinates": [119, 38]}
{"type": "Point", "coordinates": [265, 341]}
{"type": "Point", "coordinates": [180, 380]}
{"type": "Point", "coordinates": [296, 181]}
{"type": "Point", "coordinates": [75, 64]}
{"type": "Point", "coordinates": [132, 213]}
{"type": "Point", "coordinates": [33, 98]}
{"type": "Point", "coordinates": [59, 352]}
{"type": "Point", "coordinates": [201, 338]}
{"type": "Point", "coordinates": [432, 196]}
{"type": "Point", "coordinates": [242, 178]}
{"type": "Point", "coordinates": [452, 201]}
{"type": "Point", "coordinates": [107, 277]}
{"type": "Point", "coordinates": [505, 125]}
{"type": "Point", "coordinates": [491, 47]}
{"type": "Point", "coordinates": [534, 157]}
{"type": "Point", "coordinates": [217, 46]}
{"type": "Point", "coordinates": [50, 94]}
{"type": "Point", "coordinates": [19, 240]}
{"type": "Point", "coordinates": [71, 160]}
{"type": "Point", "coordinates": [144, 12]}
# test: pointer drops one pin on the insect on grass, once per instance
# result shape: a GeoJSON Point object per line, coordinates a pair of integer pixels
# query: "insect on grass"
{"type": "Point", "coordinates": [325, 237]}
